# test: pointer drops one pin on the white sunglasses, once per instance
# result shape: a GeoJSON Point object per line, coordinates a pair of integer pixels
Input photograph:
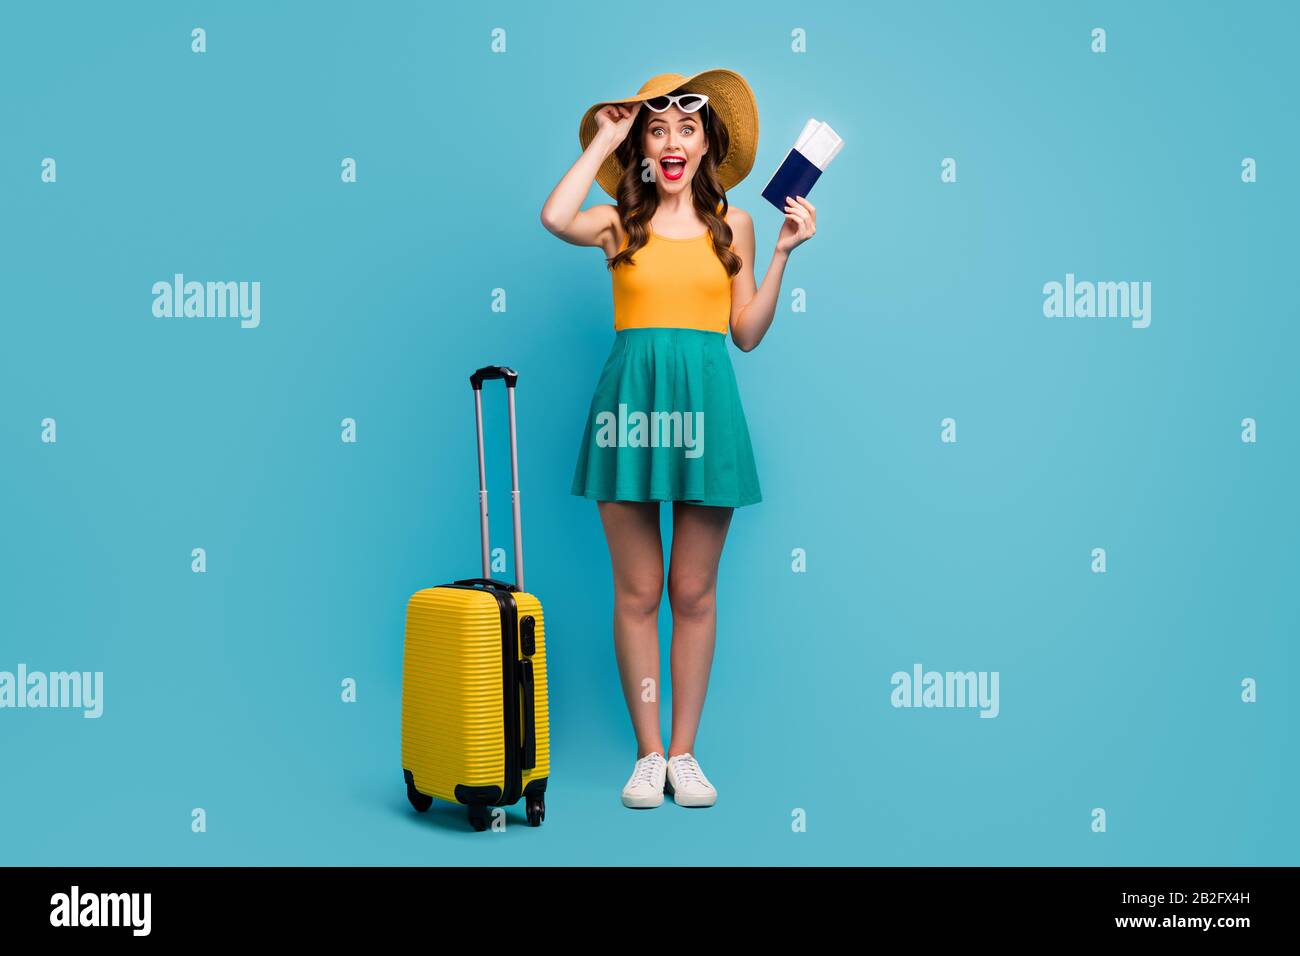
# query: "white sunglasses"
{"type": "Point", "coordinates": [686, 102]}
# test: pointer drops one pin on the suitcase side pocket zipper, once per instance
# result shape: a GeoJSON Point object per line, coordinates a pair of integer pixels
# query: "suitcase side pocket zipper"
{"type": "Point", "coordinates": [527, 647]}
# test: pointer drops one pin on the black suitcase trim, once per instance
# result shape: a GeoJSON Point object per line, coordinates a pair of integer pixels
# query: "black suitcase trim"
{"type": "Point", "coordinates": [487, 795]}
{"type": "Point", "coordinates": [509, 693]}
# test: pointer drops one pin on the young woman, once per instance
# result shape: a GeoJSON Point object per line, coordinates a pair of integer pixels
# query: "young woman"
{"type": "Point", "coordinates": [666, 422]}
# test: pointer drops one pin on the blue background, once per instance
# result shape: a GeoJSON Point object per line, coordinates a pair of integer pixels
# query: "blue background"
{"type": "Point", "coordinates": [1118, 690]}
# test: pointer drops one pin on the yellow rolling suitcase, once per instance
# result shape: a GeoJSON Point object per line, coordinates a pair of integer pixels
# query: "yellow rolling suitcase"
{"type": "Point", "coordinates": [474, 715]}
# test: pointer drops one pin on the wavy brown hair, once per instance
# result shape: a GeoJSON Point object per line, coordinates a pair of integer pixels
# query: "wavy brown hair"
{"type": "Point", "coordinates": [638, 200]}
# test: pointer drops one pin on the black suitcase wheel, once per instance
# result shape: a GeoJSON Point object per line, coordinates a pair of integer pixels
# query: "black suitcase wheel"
{"type": "Point", "coordinates": [418, 800]}
{"type": "Point", "coordinates": [478, 816]}
{"type": "Point", "coordinates": [536, 811]}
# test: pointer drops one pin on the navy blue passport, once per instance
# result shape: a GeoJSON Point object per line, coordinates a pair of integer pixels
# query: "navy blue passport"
{"type": "Point", "coordinates": [794, 178]}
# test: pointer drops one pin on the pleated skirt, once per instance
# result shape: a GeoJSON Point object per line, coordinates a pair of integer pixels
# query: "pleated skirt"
{"type": "Point", "coordinates": [666, 423]}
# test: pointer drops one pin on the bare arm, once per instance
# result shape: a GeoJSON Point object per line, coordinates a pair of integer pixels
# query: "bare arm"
{"type": "Point", "coordinates": [562, 213]}
{"type": "Point", "coordinates": [752, 310]}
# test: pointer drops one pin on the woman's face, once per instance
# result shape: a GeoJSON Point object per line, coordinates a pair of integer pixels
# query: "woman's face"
{"type": "Point", "coordinates": [674, 141]}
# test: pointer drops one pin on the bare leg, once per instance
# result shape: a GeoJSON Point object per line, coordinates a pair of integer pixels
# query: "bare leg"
{"type": "Point", "coordinates": [699, 532]}
{"type": "Point", "coordinates": [637, 555]}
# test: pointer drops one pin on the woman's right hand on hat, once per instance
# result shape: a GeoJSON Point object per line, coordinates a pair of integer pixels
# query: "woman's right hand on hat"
{"type": "Point", "coordinates": [615, 120]}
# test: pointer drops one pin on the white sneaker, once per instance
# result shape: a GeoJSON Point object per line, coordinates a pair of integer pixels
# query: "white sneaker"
{"type": "Point", "coordinates": [645, 788]}
{"type": "Point", "coordinates": [687, 783]}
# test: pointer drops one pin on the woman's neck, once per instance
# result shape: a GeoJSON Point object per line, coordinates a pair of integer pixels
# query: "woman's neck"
{"type": "Point", "coordinates": [678, 205]}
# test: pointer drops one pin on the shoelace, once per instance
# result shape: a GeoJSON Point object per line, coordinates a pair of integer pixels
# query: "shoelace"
{"type": "Point", "coordinates": [645, 770]}
{"type": "Point", "coordinates": [687, 770]}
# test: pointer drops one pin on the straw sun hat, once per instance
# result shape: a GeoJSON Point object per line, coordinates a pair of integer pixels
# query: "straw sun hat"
{"type": "Point", "coordinates": [729, 96]}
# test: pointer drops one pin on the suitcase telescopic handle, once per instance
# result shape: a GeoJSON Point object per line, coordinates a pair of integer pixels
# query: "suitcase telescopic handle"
{"type": "Point", "coordinates": [488, 372]}
{"type": "Point", "coordinates": [476, 381]}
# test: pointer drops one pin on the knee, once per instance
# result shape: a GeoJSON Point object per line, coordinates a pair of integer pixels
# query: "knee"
{"type": "Point", "coordinates": [639, 597]}
{"type": "Point", "coordinates": [692, 597]}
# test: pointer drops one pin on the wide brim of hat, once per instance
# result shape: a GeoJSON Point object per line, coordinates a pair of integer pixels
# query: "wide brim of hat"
{"type": "Point", "coordinates": [729, 96]}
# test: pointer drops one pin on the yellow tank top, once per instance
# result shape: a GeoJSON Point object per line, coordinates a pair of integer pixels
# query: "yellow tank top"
{"type": "Point", "coordinates": [674, 283]}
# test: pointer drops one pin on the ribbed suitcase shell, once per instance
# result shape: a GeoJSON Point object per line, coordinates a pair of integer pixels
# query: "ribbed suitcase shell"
{"type": "Point", "coordinates": [453, 731]}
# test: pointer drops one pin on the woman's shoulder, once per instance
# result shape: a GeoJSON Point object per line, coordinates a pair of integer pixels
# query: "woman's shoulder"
{"type": "Point", "coordinates": [736, 215]}
{"type": "Point", "coordinates": [737, 219]}
{"type": "Point", "coordinates": [742, 227]}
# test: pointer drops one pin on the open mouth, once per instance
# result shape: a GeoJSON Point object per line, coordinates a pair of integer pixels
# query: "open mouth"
{"type": "Point", "coordinates": [674, 168]}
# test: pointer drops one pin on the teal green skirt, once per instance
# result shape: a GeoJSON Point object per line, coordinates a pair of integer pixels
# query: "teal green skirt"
{"type": "Point", "coordinates": [666, 423]}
